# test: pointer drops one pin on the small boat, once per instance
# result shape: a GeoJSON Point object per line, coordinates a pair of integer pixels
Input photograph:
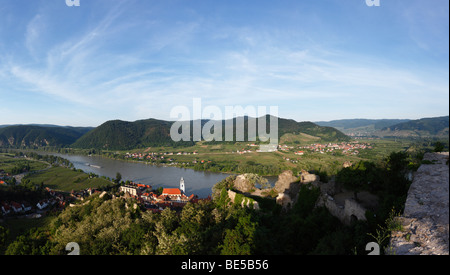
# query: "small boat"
{"type": "Point", "coordinates": [92, 165]}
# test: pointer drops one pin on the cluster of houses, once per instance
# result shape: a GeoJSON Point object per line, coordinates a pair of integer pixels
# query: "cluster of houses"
{"type": "Point", "coordinates": [153, 156]}
{"type": "Point", "coordinates": [175, 198]}
{"type": "Point", "coordinates": [170, 197]}
{"type": "Point", "coordinates": [347, 148]}
{"type": "Point", "coordinates": [18, 208]}
{"type": "Point", "coordinates": [82, 194]}
{"type": "Point", "coordinates": [15, 207]}
{"type": "Point", "coordinates": [160, 157]}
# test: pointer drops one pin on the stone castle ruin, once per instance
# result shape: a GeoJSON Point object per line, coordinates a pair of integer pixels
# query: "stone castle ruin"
{"type": "Point", "coordinates": [425, 222]}
{"type": "Point", "coordinates": [340, 204]}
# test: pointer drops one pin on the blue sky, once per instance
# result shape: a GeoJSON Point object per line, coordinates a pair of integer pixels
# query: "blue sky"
{"type": "Point", "coordinates": [314, 59]}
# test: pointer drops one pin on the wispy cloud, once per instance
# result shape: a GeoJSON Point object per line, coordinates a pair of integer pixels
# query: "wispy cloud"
{"type": "Point", "coordinates": [133, 60]}
{"type": "Point", "coordinates": [427, 24]}
{"type": "Point", "coordinates": [33, 32]}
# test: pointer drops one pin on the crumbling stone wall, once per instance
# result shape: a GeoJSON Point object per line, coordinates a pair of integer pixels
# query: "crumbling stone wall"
{"type": "Point", "coordinates": [351, 210]}
{"type": "Point", "coordinates": [425, 220]}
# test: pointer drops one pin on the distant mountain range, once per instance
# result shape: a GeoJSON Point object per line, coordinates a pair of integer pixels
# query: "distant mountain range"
{"type": "Point", "coordinates": [146, 133]}
{"type": "Point", "coordinates": [426, 127]}
{"type": "Point", "coordinates": [123, 135]}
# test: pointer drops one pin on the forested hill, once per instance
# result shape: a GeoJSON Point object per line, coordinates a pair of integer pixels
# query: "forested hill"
{"type": "Point", "coordinates": [432, 126]}
{"type": "Point", "coordinates": [34, 135]}
{"type": "Point", "coordinates": [325, 133]}
{"type": "Point", "coordinates": [436, 127]}
{"type": "Point", "coordinates": [122, 135]}
{"type": "Point", "coordinates": [377, 124]}
{"type": "Point", "coordinates": [117, 135]}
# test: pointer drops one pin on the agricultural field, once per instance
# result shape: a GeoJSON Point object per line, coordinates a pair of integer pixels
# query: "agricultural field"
{"type": "Point", "coordinates": [65, 179]}
{"type": "Point", "coordinates": [14, 165]}
{"type": "Point", "coordinates": [243, 157]}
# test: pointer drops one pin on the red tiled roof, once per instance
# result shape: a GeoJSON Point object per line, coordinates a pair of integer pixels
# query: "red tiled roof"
{"type": "Point", "coordinates": [15, 204]}
{"type": "Point", "coordinates": [171, 191]}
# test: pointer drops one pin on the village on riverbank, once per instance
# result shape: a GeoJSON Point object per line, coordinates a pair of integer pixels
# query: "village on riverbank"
{"type": "Point", "coordinates": [150, 200]}
{"type": "Point", "coordinates": [156, 201]}
{"type": "Point", "coordinates": [45, 199]}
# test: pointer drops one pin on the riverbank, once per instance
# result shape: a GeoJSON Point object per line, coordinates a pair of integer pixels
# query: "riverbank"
{"type": "Point", "coordinates": [242, 158]}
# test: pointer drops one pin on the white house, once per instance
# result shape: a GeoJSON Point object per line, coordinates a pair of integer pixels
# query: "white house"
{"type": "Point", "coordinates": [42, 204]}
{"type": "Point", "coordinates": [16, 207]}
{"type": "Point", "coordinates": [26, 207]}
{"type": "Point", "coordinates": [6, 209]}
{"type": "Point", "coordinates": [132, 190]}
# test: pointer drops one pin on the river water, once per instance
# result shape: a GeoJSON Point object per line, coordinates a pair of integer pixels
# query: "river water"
{"type": "Point", "coordinates": [196, 182]}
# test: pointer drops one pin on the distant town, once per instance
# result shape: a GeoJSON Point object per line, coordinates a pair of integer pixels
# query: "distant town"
{"type": "Point", "coordinates": [346, 148]}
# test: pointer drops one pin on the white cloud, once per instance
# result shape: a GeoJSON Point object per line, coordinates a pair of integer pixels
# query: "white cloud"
{"type": "Point", "coordinates": [33, 34]}
{"type": "Point", "coordinates": [428, 24]}
{"type": "Point", "coordinates": [135, 68]}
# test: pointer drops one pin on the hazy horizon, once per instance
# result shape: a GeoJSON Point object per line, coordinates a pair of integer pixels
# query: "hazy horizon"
{"type": "Point", "coordinates": [90, 126]}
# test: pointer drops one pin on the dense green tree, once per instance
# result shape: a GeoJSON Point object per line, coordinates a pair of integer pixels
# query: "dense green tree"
{"type": "Point", "coordinates": [359, 177]}
{"type": "Point", "coordinates": [4, 232]}
{"type": "Point", "coordinates": [240, 239]}
{"type": "Point", "coordinates": [118, 177]}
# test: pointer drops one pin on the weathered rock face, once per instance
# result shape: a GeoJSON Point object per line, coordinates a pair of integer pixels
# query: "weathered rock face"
{"type": "Point", "coordinates": [347, 211]}
{"type": "Point", "coordinates": [426, 217]}
{"type": "Point", "coordinates": [347, 164]}
{"type": "Point", "coordinates": [284, 181]}
{"type": "Point", "coordinates": [242, 184]}
{"type": "Point", "coordinates": [284, 200]}
{"type": "Point", "coordinates": [287, 187]}
{"type": "Point", "coordinates": [246, 202]}
{"type": "Point", "coordinates": [306, 177]}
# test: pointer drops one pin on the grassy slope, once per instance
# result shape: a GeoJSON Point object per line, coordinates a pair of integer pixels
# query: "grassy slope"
{"type": "Point", "coordinates": [8, 162]}
{"type": "Point", "coordinates": [327, 162]}
{"type": "Point", "coordinates": [66, 180]}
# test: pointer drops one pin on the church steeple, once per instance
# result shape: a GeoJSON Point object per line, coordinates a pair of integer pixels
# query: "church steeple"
{"type": "Point", "coordinates": [182, 187]}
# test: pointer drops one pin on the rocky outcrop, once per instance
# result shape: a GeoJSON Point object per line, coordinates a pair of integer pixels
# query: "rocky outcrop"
{"type": "Point", "coordinates": [347, 164]}
{"type": "Point", "coordinates": [284, 200]}
{"type": "Point", "coordinates": [245, 201]}
{"type": "Point", "coordinates": [306, 177]}
{"type": "Point", "coordinates": [284, 181]}
{"type": "Point", "coordinates": [425, 222]}
{"type": "Point", "coordinates": [287, 187]}
{"type": "Point", "coordinates": [242, 184]}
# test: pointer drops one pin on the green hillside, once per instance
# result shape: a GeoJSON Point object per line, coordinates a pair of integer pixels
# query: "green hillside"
{"type": "Point", "coordinates": [426, 127]}
{"type": "Point", "coordinates": [122, 135]}
{"type": "Point", "coordinates": [346, 124]}
{"type": "Point", "coordinates": [431, 126]}
{"type": "Point", "coordinates": [324, 132]}
{"type": "Point", "coordinates": [30, 135]}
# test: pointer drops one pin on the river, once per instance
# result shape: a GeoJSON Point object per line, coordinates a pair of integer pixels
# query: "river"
{"type": "Point", "coordinates": [196, 182]}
